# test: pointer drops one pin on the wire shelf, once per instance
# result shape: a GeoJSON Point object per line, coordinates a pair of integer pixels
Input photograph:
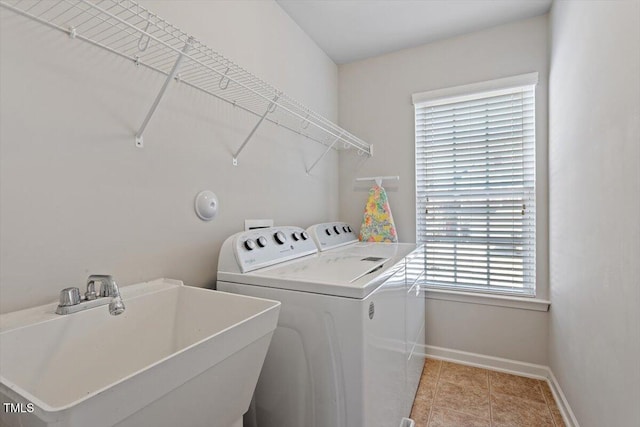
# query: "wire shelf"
{"type": "Point", "coordinates": [129, 30]}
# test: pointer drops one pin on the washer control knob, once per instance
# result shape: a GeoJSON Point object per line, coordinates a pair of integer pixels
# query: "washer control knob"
{"type": "Point", "coordinates": [336, 229]}
{"type": "Point", "coordinates": [262, 241]}
{"type": "Point", "coordinates": [280, 237]}
{"type": "Point", "coordinates": [304, 235]}
{"type": "Point", "coordinates": [249, 244]}
{"type": "Point", "coordinates": [349, 228]}
{"type": "Point", "coordinates": [345, 229]}
{"type": "Point", "coordinates": [328, 231]}
{"type": "Point", "coordinates": [296, 236]}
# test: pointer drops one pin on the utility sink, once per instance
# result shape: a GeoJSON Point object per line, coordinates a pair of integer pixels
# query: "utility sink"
{"type": "Point", "coordinates": [178, 356]}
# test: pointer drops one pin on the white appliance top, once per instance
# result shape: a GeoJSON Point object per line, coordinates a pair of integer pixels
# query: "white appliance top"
{"type": "Point", "coordinates": [352, 271]}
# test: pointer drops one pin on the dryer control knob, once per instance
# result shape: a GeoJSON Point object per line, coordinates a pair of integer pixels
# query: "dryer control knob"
{"type": "Point", "coordinates": [262, 242]}
{"type": "Point", "coordinates": [336, 229]}
{"type": "Point", "coordinates": [296, 236]}
{"type": "Point", "coordinates": [249, 244]}
{"type": "Point", "coordinates": [280, 237]}
{"type": "Point", "coordinates": [326, 230]}
{"type": "Point", "coordinates": [304, 235]}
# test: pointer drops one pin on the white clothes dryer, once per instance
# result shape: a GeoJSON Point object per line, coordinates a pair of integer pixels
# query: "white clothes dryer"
{"type": "Point", "coordinates": [340, 238]}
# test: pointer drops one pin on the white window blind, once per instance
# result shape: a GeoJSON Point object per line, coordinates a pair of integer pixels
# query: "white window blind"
{"type": "Point", "coordinates": [475, 183]}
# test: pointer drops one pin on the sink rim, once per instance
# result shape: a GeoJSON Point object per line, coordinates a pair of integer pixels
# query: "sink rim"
{"type": "Point", "coordinates": [46, 313]}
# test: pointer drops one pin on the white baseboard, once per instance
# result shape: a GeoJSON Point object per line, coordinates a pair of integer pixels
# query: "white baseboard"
{"type": "Point", "coordinates": [567, 414]}
{"type": "Point", "coordinates": [540, 372]}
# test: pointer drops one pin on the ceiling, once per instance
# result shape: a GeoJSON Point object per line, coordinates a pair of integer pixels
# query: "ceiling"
{"type": "Point", "coordinates": [349, 30]}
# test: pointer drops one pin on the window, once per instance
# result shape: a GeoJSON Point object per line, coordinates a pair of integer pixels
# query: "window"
{"type": "Point", "coordinates": [475, 184]}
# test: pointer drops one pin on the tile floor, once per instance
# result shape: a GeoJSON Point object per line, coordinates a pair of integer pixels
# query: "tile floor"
{"type": "Point", "coordinates": [452, 395]}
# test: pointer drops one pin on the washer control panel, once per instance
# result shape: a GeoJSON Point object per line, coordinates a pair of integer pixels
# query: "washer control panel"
{"type": "Point", "coordinates": [268, 246]}
{"type": "Point", "coordinates": [331, 235]}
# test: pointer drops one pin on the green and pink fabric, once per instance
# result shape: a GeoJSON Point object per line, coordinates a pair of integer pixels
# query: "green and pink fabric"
{"type": "Point", "coordinates": [377, 224]}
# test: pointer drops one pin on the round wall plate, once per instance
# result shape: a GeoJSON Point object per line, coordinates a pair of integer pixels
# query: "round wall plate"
{"type": "Point", "coordinates": [206, 205]}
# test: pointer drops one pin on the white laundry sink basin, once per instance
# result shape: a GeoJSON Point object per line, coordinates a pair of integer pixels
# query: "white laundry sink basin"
{"type": "Point", "coordinates": [178, 355]}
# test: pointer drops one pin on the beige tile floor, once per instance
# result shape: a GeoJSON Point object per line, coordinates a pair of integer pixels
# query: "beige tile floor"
{"type": "Point", "coordinates": [452, 395]}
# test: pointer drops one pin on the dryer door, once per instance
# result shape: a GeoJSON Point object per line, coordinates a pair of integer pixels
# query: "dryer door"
{"type": "Point", "coordinates": [385, 354]}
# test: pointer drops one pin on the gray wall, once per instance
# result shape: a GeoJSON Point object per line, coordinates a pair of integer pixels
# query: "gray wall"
{"type": "Point", "coordinates": [77, 197]}
{"type": "Point", "coordinates": [375, 103]}
{"type": "Point", "coordinates": [594, 204]}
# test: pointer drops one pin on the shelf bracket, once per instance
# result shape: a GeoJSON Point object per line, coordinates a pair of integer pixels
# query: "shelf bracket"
{"type": "Point", "coordinates": [324, 154]}
{"type": "Point", "coordinates": [270, 109]}
{"type": "Point", "coordinates": [170, 77]}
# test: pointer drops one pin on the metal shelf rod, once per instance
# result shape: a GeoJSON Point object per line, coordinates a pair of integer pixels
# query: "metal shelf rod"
{"type": "Point", "coordinates": [163, 89]}
{"type": "Point", "coordinates": [322, 156]}
{"type": "Point", "coordinates": [255, 128]}
{"type": "Point", "coordinates": [243, 108]}
{"type": "Point", "coordinates": [379, 179]}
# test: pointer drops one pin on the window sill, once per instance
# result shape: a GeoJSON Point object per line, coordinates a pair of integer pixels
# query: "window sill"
{"type": "Point", "coordinates": [488, 299]}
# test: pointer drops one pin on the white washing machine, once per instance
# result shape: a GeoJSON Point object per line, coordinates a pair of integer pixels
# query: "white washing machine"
{"type": "Point", "coordinates": [338, 357]}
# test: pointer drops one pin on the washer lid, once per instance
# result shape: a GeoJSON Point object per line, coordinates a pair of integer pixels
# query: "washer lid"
{"type": "Point", "coordinates": [335, 268]}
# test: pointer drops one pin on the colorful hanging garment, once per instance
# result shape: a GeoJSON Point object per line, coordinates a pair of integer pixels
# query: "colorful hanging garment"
{"type": "Point", "coordinates": [377, 224]}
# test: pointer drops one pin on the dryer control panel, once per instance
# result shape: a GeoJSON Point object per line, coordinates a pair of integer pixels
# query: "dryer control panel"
{"type": "Point", "coordinates": [331, 235]}
{"type": "Point", "coordinates": [263, 247]}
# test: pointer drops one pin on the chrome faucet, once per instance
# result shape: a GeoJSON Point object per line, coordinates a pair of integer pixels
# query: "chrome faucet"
{"type": "Point", "coordinates": [72, 302]}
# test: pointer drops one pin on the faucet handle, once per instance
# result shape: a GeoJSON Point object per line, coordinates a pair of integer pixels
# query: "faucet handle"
{"type": "Point", "coordinates": [91, 291]}
{"type": "Point", "coordinates": [69, 297]}
{"type": "Point", "coordinates": [106, 283]}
